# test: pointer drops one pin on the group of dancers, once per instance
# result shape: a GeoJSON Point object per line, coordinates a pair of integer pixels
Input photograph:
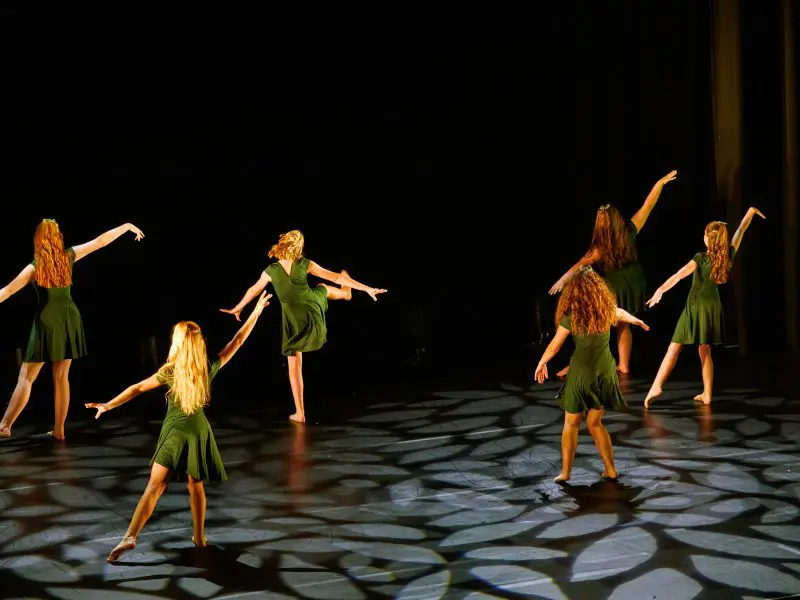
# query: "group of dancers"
{"type": "Point", "coordinates": [589, 306]}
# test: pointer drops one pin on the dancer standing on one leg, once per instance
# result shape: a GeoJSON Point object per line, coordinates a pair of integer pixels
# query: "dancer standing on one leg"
{"type": "Point", "coordinates": [587, 311]}
{"type": "Point", "coordinates": [57, 334]}
{"type": "Point", "coordinates": [302, 307]}
{"type": "Point", "coordinates": [702, 321]}
{"type": "Point", "coordinates": [186, 449]}
{"type": "Point", "coordinates": [613, 247]}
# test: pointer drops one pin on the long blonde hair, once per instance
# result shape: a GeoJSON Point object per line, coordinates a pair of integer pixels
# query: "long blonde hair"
{"type": "Point", "coordinates": [718, 251]}
{"type": "Point", "coordinates": [289, 246]}
{"type": "Point", "coordinates": [52, 262]}
{"type": "Point", "coordinates": [611, 239]}
{"type": "Point", "coordinates": [186, 369]}
{"type": "Point", "coordinates": [588, 302]}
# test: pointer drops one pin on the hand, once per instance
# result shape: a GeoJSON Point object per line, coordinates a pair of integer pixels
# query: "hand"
{"type": "Point", "coordinates": [101, 408]}
{"type": "Point", "coordinates": [541, 373]}
{"type": "Point", "coordinates": [134, 229]}
{"type": "Point", "coordinates": [755, 211]}
{"type": "Point", "coordinates": [236, 312]}
{"type": "Point", "coordinates": [557, 286]}
{"type": "Point", "coordinates": [263, 300]}
{"type": "Point", "coordinates": [641, 324]}
{"type": "Point", "coordinates": [655, 299]}
{"type": "Point", "coordinates": [667, 178]}
{"type": "Point", "coordinates": [373, 293]}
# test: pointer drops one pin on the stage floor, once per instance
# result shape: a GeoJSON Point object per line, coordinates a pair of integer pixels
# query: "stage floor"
{"type": "Point", "coordinates": [440, 494]}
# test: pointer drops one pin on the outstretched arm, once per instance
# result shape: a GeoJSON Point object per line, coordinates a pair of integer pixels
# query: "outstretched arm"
{"type": "Point", "coordinates": [253, 291]}
{"type": "Point", "coordinates": [625, 317]}
{"type": "Point", "coordinates": [20, 281]}
{"type": "Point", "coordinates": [103, 240]}
{"type": "Point", "coordinates": [589, 258]}
{"type": "Point", "coordinates": [244, 331]}
{"type": "Point", "coordinates": [685, 271]}
{"type": "Point", "coordinates": [130, 393]}
{"type": "Point", "coordinates": [342, 279]}
{"type": "Point", "coordinates": [562, 333]}
{"type": "Point", "coordinates": [737, 237]}
{"type": "Point", "coordinates": [640, 218]}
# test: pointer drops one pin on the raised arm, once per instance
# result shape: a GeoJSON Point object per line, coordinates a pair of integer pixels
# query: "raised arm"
{"type": "Point", "coordinates": [20, 281]}
{"type": "Point", "coordinates": [244, 331]}
{"type": "Point", "coordinates": [640, 218]}
{"type": "Point", "coordinates": [591, 257]}
{"type": "Point", "coordinates": [562, 333]}
{"type": "Point", "coordinates": [626, 317]}
{"type": "Point", "coordinates": [342, 279]}
{"type": "Point", "coordinates": [737, 237]}
{"type": "Point", "coordinates": [685, 271]}
{"type": "Point", "coordinates": [253, 291]}
{"type": "Point", "coordinates": [103, 240]}
{"type": "Point", "coordinates": [130, 393]}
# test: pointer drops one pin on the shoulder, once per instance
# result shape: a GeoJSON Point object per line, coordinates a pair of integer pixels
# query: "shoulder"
{"type": "Point", "coordinates": [632, 228]}
{"type": "Point", "coordinates": [214, 367]}
{"type": "Point", "coordinates": [700, 257]}
{"type": "Point", "coordinates": [304, 262]}
{"type": "Point", "coordinates": [732, 251]}
{"type": "Point", "coordinates": [270, 267]}
{"type": "Point", "coordinates": [566, 323]}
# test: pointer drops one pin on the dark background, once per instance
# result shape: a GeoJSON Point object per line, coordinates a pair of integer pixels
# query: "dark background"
{"type": "Point", "coordinates": [455, 156]}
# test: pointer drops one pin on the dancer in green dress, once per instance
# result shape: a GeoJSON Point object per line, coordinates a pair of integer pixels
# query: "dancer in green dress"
{"type": "Point", "coordinates": [302, 307]}
{"type": "Point", "coordinates": [57, 333]}
{"type": "Point", "coordinates": [613, 247]}
{"type": "Point", "coordinates": [702, 320]}
{"type": "Point", "coordinates": [587, 310]}
{"type": "Point", "coordinates": [186, 449]}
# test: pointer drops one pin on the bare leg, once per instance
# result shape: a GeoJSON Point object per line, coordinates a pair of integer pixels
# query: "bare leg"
{"type": "Point", "coordinates": [707, 363]}
{"type": "Point", "coordinates": [338, 293]}
{"type": "Point", "coordinates": [296, 381]}
{"type": "Point", "coordinates": [61, 392]}
{"type": "Point", "coordinates": [603, 442]}
{"type": "Point", "coordinates": [667, 364]}
{"type": "Point", "coordinates": [624, 345]}
{"type": "Point", "coordinates": [155, 487]}
{"type": "Point", "coordinates": [569, 442]}
{"type": "Point", "coordinates": [197, 502]}
{"type": "Point", "coordinates": [22, 393]}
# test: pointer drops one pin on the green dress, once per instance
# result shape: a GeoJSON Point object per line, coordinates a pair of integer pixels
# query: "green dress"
{"type": "Point", "coordinates": [186, 445]}
{"type": "Point", "coordinates": [702, 320]}
{"type": "Point", "coordinates": [628, 282]}
{"type": "Point", "coordinates": [592, 381]}
{"type": "Point", "coordinates": [302, 308]}
{"type": "Point", "coordinates": [57, 331]}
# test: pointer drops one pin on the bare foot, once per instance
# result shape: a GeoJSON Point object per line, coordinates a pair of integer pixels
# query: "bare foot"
{"type": "Point", "coordinates": [703, 398]}
{"type": "Point", "coordinates": [563, 372]}
{"type": "Point", "coordinates": [298, 418]}
{"type": "Point", "coordinates": [55, 437]}
{"type": "Point", "coordinates": [203, 545]}
{"type": "Point", "coordinates": [561, 478]}
{"type": "Point", "coordinates": [5, 432]}
{"type": "Point", "coordinates": [611, 475]}
{"type": "Point", "coordinates": [348, 291]}
{"type": "Point", "coordinates": [651, 395]}
{"type": "Point", "coordinates": [127, 543]}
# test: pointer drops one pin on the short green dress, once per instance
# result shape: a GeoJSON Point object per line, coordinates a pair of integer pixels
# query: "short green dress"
{"type": "Point", "coordinates": [629, 283]}
{"type": "Point", "coordinates": [57, 331]}
{"type": "Point", "coordinates": [186, 445]}
{"type": "Point", "coordinates": [302, 308]}
{"type": "Point", "coordinates": [592, 381]}
{"type": "Point", "coordinates": [702, 320]}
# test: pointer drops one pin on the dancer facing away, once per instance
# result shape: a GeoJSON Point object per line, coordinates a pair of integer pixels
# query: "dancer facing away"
{"type": "Point", "coordinates": [613, 246]}
{"type": "Point", "coordinates": [186, 449]}
{"type": "Point", "coordinates": [587, 311]}
{"type": "Point", "coordinates": [302, 307]}
{"type": "Point", "coordinates": [702, 320]}
{"type": "Point", "coordinates": [57, 334]}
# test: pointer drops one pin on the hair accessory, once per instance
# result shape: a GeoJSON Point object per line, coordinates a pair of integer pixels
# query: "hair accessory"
{"type": "Point", "coordinates": [585, 269]}
{"type": "Point", "coordinates": [605, 207]}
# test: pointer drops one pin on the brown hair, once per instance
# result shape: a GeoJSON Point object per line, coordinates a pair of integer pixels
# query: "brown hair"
{"type": "Point", "coordinates": [718, 251]}
{"type": "Point", "coordinates": [289, 246]}
{"type": "Point", "coordinates": [53, 267]}
{"type": "Point", "coordinates": [611, 239]}
{"type": "Point", "coordinates": [588, 302]}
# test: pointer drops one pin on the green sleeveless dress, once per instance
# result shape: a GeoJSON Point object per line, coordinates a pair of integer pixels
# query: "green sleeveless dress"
{"type": "Point", "coordinates": [629, 283]}
{"type": "Point", "coordinates": [302, 308]}
{"type": "Point", "coordinates": [186, 445]}
{"type": "Point", "coordinates": [57, 331]}
{"type": "Point", "coordinates": [702, 320]}
{"type": "Point", "coordinates": [592, 381]}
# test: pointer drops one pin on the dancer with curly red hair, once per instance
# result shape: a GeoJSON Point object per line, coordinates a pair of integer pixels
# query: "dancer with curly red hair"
{"type": "Point", "coordinates": [57, 334]}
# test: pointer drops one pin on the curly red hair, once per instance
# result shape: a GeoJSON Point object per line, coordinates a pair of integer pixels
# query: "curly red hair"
{"type": "Point", "coordinates": [588, 302]}
{"type": "Point", "coordinates": [52, 262]}
{"type": "Point", "coordinates": [718, 251]}
{"type": "Point", "coordinates": [289, 246]}
{"type": "Point", "coordinates": [611, 239]}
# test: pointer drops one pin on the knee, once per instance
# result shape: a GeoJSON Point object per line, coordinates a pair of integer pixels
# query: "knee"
{"type": "Point", "coordinates": [27, 376]}
{"type": "Point", "coordinates": [595, 427]}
